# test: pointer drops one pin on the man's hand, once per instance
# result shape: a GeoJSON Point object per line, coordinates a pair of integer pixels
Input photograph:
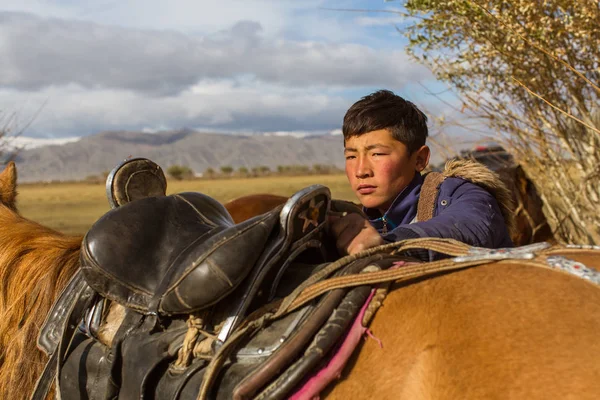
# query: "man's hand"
{"type": "Point", "coordinates": [353, 233]}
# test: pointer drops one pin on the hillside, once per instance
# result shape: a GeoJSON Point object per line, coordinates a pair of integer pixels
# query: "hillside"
{"type": "Point", "coordinates": [91, 155]}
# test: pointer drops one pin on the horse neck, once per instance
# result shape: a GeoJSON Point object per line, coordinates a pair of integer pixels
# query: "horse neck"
{"type": "Point", "coordinates": [32, 253]}
{"type": "Point", "coordinates": [36, 263]}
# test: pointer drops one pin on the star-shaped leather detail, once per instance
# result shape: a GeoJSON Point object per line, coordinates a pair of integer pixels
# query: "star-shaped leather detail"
{"type": "Point", "coordinates": [311, 214]}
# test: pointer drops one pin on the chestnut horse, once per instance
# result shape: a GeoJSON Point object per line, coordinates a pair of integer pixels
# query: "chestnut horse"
{"type": "Point", "coordinates": [36, 262]}
{"type": "Point", "coordinates": [249, 206]}
{"type": "Point", "coordinates": [503, 330]}
{"type": "Point", "coordinates": [531, 223]}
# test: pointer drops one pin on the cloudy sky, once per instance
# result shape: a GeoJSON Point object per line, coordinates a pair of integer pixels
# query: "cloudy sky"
{"type": "Point", "coordinates": [76, 67]}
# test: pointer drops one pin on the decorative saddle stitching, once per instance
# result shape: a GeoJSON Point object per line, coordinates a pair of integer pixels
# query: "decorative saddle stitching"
{"type": "Point", "coordinates": [573, 267]}
{"type": "Point", "coordinates": [583, 246]}
{"type": "Point", "coordinates": [527, 252]}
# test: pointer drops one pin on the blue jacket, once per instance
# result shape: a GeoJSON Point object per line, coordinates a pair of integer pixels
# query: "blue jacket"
{"type": "Point", "coordinates": [463, 211]}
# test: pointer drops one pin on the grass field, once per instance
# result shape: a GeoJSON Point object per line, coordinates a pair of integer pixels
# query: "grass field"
{"type": "Point", "coordinates": [73, 207]}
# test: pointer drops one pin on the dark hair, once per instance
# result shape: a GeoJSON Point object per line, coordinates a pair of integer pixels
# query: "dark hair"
{"type": "Point", "coordinates": [385, 110]}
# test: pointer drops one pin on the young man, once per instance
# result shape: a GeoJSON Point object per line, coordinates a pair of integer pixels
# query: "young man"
{"type": "Point", "coordinates": [384, 145]}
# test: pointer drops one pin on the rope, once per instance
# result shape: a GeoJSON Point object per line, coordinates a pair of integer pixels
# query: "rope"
{"type": "Point", "coordinates": [372, 278]}
{"type": "Point", "coordinates": [376, 302]}
{"type": "Point", "coordinates": [447, 246]}
{"type": "Point", "coordinates": [185, 354]}
{"type": "Point", "coordinates": [191, 347]}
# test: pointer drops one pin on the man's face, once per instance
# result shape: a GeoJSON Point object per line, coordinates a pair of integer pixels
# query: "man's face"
{"type": "Point", "coordinates": [378, 167]}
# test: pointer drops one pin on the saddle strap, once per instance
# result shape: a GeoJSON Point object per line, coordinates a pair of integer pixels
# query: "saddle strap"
{"type": "Point", "coordinates": [44, 382]}
{"type": "Point", "coordinates": [290, 350]}
{"type": "Point", "coordinates": [322, 344]}
{"type": "Point", "coordinates": [75, 302]}
{"type": "Point", "coordinates": [52, 328]}
{"type": "Point", "coordinates": [428, 196]}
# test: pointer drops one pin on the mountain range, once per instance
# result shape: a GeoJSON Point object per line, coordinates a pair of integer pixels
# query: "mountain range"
{"type": "Point", "coordinates": [98, 153]}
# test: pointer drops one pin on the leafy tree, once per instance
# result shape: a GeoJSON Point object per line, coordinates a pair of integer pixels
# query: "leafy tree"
{"type": "Point", "coordinates": [530, 70]}
{"type": "Point", "coordinates": [300, 169]}
{"type": "Point", "coordinates": [227, 169]}
{"type": "Point", "coordinates": [180, 172]}
{"type": "Point", "coordinates": [263, 169]}
{"type": "Point", "coordinates": [93, 179]}
{"type": "Point", "coordinates": [209, 172]}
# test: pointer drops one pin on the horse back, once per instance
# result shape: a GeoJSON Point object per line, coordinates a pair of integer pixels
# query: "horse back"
{"type": "Point", "coordinates": [505, 330]}
{"type": "Point", "coordinates": [246, 207]}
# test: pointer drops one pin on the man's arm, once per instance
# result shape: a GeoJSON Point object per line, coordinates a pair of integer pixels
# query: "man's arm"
{"type": "Point", "coordinates": [472, 216]}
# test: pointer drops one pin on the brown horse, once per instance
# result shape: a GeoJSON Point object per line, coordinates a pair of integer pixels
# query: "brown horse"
{"type": "Point", "coordinates": [36, 262]}
{"type": "Point", "coordinates": [249, 206]}
{"type": "Point", "coordinates": [492, 332]}
{"type": "Point", "coordinates": [503, 330]}
{"type": "Point", "coordinates": [530, 221]}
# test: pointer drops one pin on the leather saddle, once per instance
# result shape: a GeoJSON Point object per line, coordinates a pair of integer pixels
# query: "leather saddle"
{"type": "Point", "coordinates": [163, 256]}
{"type": "Point", "coordinates": [142, 360]}
{"type": "Point", "coordinates": [172, 254]}
{"type": "Point", "coordinates": [166, 280]}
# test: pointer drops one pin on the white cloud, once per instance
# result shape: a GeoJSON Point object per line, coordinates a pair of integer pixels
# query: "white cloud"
{"type": "Point", "coordinates": [39, 7]}
{"type": "Point", "coordinates": [224, 106]}
{"type": "Point", "coordinates": [256, 65]}
{"type": "Point", "coordinates": [305, 17]}
{"type": "Point", "coordinates": [184, 15]}
{"type": "Point", "coordinates": [36, 53]}
{"type": "Point", "coordinates": [25, 143]}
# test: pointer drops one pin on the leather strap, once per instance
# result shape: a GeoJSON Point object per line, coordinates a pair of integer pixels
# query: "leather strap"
{"type": "Point", "coordinates": [53, 327]}
{"type": "Point", "coordinates": [428, 196]}
{"type": "Point", "coordinates": [297, 342]}
{"type": "Point", "coordinates": [80, 300]}
{"type": "Point", "coordinates": [258, 378]}
{"type": "Point", "coordinates": [44, 382]}
{"type": "Point", "coordinates": [322, 344]}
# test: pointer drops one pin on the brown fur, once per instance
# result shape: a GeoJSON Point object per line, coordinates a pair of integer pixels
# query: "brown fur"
{"type": "Point", "coordinates": [8, 186]}
{"type": "Point", "coordinates": [246, 207]}
{"type": "Point", "coordinates": [496, 331]}
{"type": "Point", "coordinates": [508, 331]}
{"type": "Point", "coordinates": [531, 223]}
{"type": "Point", "coordinates": [35, 264]}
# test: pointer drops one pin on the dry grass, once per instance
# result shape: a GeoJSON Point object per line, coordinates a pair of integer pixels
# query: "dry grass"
{"type": "Point", "coordinates": [73, 207]}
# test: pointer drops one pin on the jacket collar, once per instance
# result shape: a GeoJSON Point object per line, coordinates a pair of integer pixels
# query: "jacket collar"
{"type": "Point", "coordinates": [403, 209]}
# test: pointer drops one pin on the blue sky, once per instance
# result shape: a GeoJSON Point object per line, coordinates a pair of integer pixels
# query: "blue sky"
{"type": "Point", "coordinates": [77, 67]}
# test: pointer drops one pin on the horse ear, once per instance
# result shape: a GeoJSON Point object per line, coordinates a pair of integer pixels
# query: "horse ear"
{"type": "Point", "coordinates": [8, 185]}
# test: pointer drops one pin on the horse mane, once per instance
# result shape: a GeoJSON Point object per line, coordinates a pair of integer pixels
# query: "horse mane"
{"type": "Point", "coordinates": [36, 263]}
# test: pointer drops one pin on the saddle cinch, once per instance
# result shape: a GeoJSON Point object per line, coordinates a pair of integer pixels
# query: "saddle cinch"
{"type": "Point", "coordinates": [166, 281]}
